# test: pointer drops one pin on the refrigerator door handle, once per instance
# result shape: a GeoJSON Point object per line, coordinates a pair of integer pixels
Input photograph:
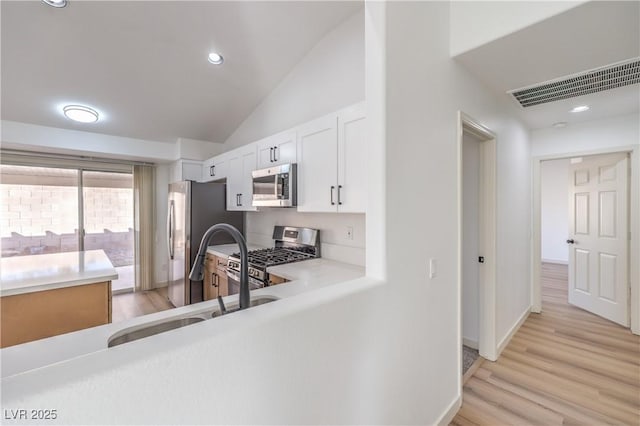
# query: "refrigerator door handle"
{"type": "Point", "coordinates": [170, 229]}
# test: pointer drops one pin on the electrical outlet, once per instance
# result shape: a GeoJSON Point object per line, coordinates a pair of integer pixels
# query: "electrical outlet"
{"type": "Point", "coordinates": [349, 232]}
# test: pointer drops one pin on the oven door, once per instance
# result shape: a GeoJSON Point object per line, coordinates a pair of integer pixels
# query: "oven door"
{"type": "Point", "coordinates": [265, 189]}
{"type": "Point", "coordinates": [234, 282]}
{"type": "Point", "coordinates": [275, 186]}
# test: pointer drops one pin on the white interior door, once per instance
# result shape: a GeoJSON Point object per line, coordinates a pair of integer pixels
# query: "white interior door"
{"type": "Point", "coordinates": [598, 236]}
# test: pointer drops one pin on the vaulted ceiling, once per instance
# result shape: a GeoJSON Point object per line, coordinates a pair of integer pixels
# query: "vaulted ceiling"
{"type": "Point", "coordinates": [143, 64]}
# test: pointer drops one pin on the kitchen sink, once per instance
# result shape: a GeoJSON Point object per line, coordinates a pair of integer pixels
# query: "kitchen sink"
{"type": "Point", "coordinates": [253, 302]}
{"type": "Point", "coordinates": [139, 332]}
{"type": "Point", "coordinates": [130, 336]}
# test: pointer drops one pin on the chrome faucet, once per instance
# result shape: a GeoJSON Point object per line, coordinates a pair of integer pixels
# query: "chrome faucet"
{"type": "Point", "coordinates": [197, 271]}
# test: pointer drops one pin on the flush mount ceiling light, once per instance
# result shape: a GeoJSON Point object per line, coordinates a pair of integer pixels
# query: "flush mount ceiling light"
{"type": "Point", "coordinates": [55, 3]}
{"type": "Point", "coordinates": [80, 113]}
{"type": "Point", "coordinates": [215, 58]}
{"type": "Point", "coordinates": [560, 124]}
{"type": "Point", "coordinates": [580, 108]}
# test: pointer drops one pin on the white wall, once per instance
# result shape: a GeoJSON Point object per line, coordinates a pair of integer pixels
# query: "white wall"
{"type": "Point", "coordinates": [620, 131]}
{"type": "Point", "coordinates": [332, 226]}
{"type": "Point", "coordinates": [470, 238]}
{"type": "Point", "coordinates": [329, 77]}
{"type": "Point", "coordinates": [554, 223]}
{"type": "Point", "coordinates": [474, 23]}
{"type": "Point", "coordinates": [425, 89]}
{"type": "Point", "coordinates": [31, 137]}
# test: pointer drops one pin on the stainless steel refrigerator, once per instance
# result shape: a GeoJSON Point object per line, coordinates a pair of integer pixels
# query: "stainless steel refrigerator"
{"type": "Point", "coordinates": [193, 208]}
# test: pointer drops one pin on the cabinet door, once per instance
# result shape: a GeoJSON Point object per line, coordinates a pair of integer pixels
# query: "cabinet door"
{"type": "Point", "coordinates": [248, 166]}
{"type": "Point", "coordinates": [277, 149]}
{"type": "Point", "coordinates": [239, 181]}
{"type": "Point", "coordinates": [234, 183]}
{"type": "Point", "coordinates": [317, 165]}
{"type": "Point", "coordinates": [214, 168]}
{"type": "Point", "coordinates": [223, 283]}
{"type": "Point", "coordinates": [352, 161]}
{"type": "Point", "coordinates": [210, 282]}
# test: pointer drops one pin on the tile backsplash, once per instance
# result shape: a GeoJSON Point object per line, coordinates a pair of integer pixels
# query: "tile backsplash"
{"type": "Point", "coordinates": [334, 231]}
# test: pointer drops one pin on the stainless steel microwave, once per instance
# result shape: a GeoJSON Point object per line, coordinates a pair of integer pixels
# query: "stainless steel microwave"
{"type": "Point", "coordinates": [275, 186]}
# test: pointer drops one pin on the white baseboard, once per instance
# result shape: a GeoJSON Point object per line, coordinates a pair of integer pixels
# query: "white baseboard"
{"type": "Point", "coordinates": [556, 261]}
{"type": "Point", "coordinates": [505, 341]}
{"type": "Point", "coordinates": [450, 412]}
{"type": "Point", "coordinates": [473, 344]}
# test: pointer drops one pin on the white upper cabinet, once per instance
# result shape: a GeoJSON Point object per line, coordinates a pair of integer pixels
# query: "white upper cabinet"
{"type": "Point", "coordinates": [240, 163]}
{"type": "Point", "coordinates": [332, 175]}
{"type": "Point", "coordinates": [185, 170]}
{"type": "Point", "coordinates": [317, 165]}
{"type": "Point", "coordinates": [277, 149]}
{"type": "Point", "coordinates": [215, 168]}
{"type": "Point", "coordinates": [352, 160]}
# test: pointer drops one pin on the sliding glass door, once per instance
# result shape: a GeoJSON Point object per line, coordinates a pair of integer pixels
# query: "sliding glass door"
{"type": "Point", "coordinates": [51, 210]}
{"type": "Point", "coordinates": [107, 214]}
{"type": "Point", "coordinates": [39, 210]}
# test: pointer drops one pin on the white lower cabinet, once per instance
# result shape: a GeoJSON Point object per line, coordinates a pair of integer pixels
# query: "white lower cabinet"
{"type": "Point", "coordinates": [240, 163]}
{"type": "Point", "coordinates": [332, 174]}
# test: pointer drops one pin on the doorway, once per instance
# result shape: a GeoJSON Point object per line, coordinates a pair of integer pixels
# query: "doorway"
{"type": "Point", "coordinates": [603, 260]}
{"type": "Point", "coordinates": [584, 230]}
{"type": "Point", "coordinates": [477, 240]}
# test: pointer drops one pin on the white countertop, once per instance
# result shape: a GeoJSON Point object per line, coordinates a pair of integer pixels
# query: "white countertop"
{"type": "Point", "coordinates": [226, 250]}
{"type": "Point", "coordinates": [305, 276]}
{"type": "Point", "coordinates": [27, 274]}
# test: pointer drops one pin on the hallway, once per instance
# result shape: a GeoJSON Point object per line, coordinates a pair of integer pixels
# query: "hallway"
{"type": "Point", "coordinates": [564, 366]}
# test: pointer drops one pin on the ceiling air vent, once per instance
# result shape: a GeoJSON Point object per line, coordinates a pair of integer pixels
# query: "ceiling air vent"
{"type": "Point", "coordinates": [609, 77]}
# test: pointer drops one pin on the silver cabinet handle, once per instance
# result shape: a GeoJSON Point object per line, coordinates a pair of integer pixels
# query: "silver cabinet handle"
{"type": "Point", "coordinates": [332, 202]}
{"type": "Point", "coordinates": [238, 200]}
{"type": "Point", "coordinates": [271, 155]}
{"type": "Point", "coordinates": [339, 199]}
{"type": "Point", "coordinates": [275, 148]}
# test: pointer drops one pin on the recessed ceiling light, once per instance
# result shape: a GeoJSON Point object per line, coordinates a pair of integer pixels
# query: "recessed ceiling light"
{"type": "Point", "coordinates": [580, 108]}
{"type": "Point", "coordinates": [560, 124]}
{"type": "Point", "coordinates": [80, 113]}
{"type": "Point", "coordinates": [215, 58]}
{"type": "Point", "coordinates": [56, 3]}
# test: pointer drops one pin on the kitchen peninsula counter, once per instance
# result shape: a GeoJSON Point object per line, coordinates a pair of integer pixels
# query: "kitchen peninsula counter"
{"type": "Point", "coordinates": [67, 349]}
{"type": "Point", "coordinates": [28, 274]}
{"type": "Point", "coordinates": [50, 294]}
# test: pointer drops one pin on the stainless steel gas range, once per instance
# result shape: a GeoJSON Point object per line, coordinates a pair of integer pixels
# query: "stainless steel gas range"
{"type": "Point", "coordinates": [291, 245]}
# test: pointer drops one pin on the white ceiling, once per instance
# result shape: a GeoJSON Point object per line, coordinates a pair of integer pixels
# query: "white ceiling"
{"type": "Point", "coordinates": [143, 64]}
{"type": "Point", "coordinates": [586, 37]}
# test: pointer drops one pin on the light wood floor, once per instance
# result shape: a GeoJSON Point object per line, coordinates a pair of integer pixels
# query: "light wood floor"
{"type": "Point", "coordinates": [564, 366]}
{"type": "Point", "coordinates": [130, 305]}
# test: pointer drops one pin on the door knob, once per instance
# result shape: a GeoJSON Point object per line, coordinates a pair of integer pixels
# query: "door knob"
{"type": "Point", "coordinates": [571, 241]}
